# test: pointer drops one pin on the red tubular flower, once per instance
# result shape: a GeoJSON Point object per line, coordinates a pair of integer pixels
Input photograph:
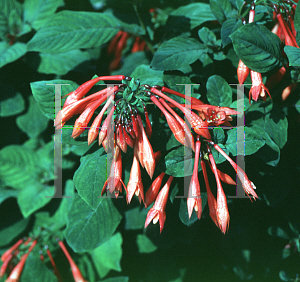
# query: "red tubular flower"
{"type": "Point", "coordinates": [5, 264]}
{"type": "Point", "coordinates": [56, 271]}
{"type": "Point", "coordinates": [224, 177]}
{"type": "Point", "coordinates": [211, 200]}
{"type": "Point", "coordinates": [289, 38]}
{"type": "Point", "coordinates": [242, 72]}
{"type": "Point", "coordinates": [288, 90]}
{"type": "Point", "coordinates": [198, 124]}
{"type": "Point", "coordinates": [248, 186]}
{"type": "Point", "coordinates": [175, 127]}
{"type": "Point", "coordinates": [75, 270]}
{"type": "Point", "coordinates": [194, 101]}
{"type": "Point", "coordinates": [16, 272]}
{"type": "Point", "coordinates": [121, 139]}
{"type": "Point", "coordinates": [148, 123]}
{"type": "Point", "coordinates": [94, 130]}
{"type": "Point", "coordinates": [148, 155]}
{"type": "Point", "coordinates": [135, 184]}
{"type": "Point", "coordinates": [222, 208]}
{"type": "Point", "coordinates": [11, 249]}
{"type": "Point", "coordinates": [157, 212]}
{"type": "Point", "coordinates": [106, 123]}
{"type": "Point", "coordinates": [189, 139]}
{"type": "Point", "coordinates": [115, 181]}
{"type": "Point", "coordinates": [258, 88]}
{"type": "Point", "coordinates": [194, 200]}
{"type": "Point", "coordinates": [153, 190]}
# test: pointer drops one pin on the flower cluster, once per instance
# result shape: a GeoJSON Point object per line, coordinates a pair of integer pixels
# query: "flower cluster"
{"type": "Point", "coordinates": [15, 258]}
{"type": "Point", "coordinates": [123, 104]}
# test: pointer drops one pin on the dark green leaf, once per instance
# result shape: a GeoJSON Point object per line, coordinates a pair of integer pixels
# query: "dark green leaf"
{"type": "Point", "coordinates": [251, 142]}
{"type": "Point", "coordinates": [146, 75]}
{"type": "Point", "coordinates": [68, 30]}
{"type": "Point", "coordinates": [176, 53]}
{"type": "Point", "coordinates": [131, 62]}
{"type": "Point", "coordinates": [257, 47]}
{"type": "Point", "coordinates": [218, 135]}
{"type": "Point", "coordinates": [7, 193]}
{"type": "Point", "coordinates": [38, 12]}
{"type": "Point", "coordinates": [297, 23]}
{"type": "Point", "coordinates": [33, 123]}
{"type": "Point", "coordinates": [177, 164]}
{"type": "Point", "coordinates": [173, 81]}
{"type": "Point", "coordinates": [135, 218]}
{"type": "Point", "coordinates": [10, 53]}
{"type": "Point", "coordinates": [88, 228]}
{"type": "Point", "coordinates": [270, 152]}
{"type": "Point", "coordinates": [35, 270]}
{"type": "Point", "coordinates": [183, 211]}
{"type": "Point", "coordinates": [219, 93]}
{"type": "Point", "coordinates": [61, 63]}
{"type": "Point", "coordinates": [89, 178]}
{"type": "Point", "coordinates": [34, 197]}
{"type": "Point", "coordinates": [44, 94]}
{"type": "Point", "coordinates": [12, 106]}
{"type": "Point", "coordinates": [193, 15]}
{"type": "Point", "coordinates": [293, 54]}
{"type": "Point", "coordinates": [207, 37]}
{"type": "Point", "coordinates": [144, 244]}
{"type": "Point", "coordinates": [228, 27]}
{"type": "Point", "coordinates": [272, 119]}
{"type": "Point", "coordinates": [108, 256]}
{"type": "Point", "coordinates": [19, 167]}
{"type": "Point", "coordinates": [221, 9]}
{"type": "Point", "coordinates": [278, 232]}
{"type": "Point", "coordinates": [9, 233]}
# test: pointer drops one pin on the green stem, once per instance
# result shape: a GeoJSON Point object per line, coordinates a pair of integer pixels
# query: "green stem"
{"type": "Point", "coordinates": [256, 4]}
{"type": "Point", "coordinates": [149, 44]}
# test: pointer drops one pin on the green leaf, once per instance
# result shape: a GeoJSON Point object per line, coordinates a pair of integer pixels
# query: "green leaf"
{"type": "Point", "coordinates": [228, 27]}
{"type": "Point", "coordinates": [61, 63]}
{"type": "Point", "coordinates": [7, 193]}
{"type": "Point", "coordinates": [12, 106]}
{"type": "Point", "coordinates": [35, 270]}
{"type": "Point", "coordinates": [88, 228]}
{"type": "Point", "coordinates": [12, 231]}
{"type": "Point", "coordinates": [297, 23]}
{"type": "Point", "coordinates": [278, 232]}
{"type": "Point", "coordinates": [183, 211]}
{"type": "Point", "coordinates": [6, 6]}
{"type": "Point", "coordinates": [207, 36]}
{"type": "Point", "coordinates": [10, 53]}
{"type": "Point", "coordinates": [34, 197]}
{"type": "Point", "coordinates": [174, 79]}
{"type": "Point", "coordinates": [108, 256]}
{"type": "Point", "coordinates": [270, 152]}
{"type": "Point", "coordinates": [221, 9]}
{"type": "Point", "coordinates": [19, 167]}
{"type": "Point", "coordinates": [293, 54]}
{"type": "Point", "coordinates": [68, 30]}
{"type": "Point", "coordinates": [89, 178]}
{"type": "Point", "coordinates": [219, 93]}
{"type": "Point", "coordinates": [144, 244]}
{"type": "Point", "coordinates": [257, 47]}
{"type": "Point", "coordinates": [218, 135]}
{"type": "Point", "coordinates": [191, 15]}
{"type": "Point", "coordinates": [176, 163]}
{"type": "Point", "coordinates": [38, 12]}
{"type": "Point", "coordinates": [33, 123]}
{"type": "Point", "coordinates": [251, 142]}
{"type": "Point", "coordinates": [135, 218]}
{"type": "Point", "coordinates": [176, 53]}
{"type": "Point", "coordinates": [146, 75]}
{"type": "Point", "coordinates": [131, 62]}
{"type": "Point", "coordinates": [272, 119]}
{"type": "Point", "coordinates": [44, 94]}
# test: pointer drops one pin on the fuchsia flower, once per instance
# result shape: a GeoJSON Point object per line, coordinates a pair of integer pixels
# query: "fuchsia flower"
{"type": "Point", "coordinates": [157, 212]}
